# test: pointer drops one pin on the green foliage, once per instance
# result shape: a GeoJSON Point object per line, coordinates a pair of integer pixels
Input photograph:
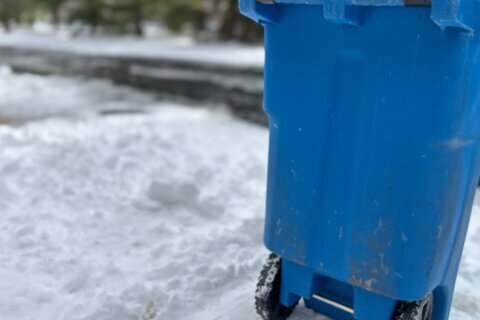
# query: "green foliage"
{"type": "Point", "coordinates": [175, 14]}
{"type": "Point", "coordinates": [22, 11]}
{"type": "Point", "coordinates": [53, 6]}
{"type": "Point", "coordinates": [10, 12]}
{"type": "Point", "coordinates": [213, 19]}
{"type": "Point", "coordinates": [52, 3]}
{"type": "Point", "coordinates": [90, 12]}
{"type": "Point", "coordinates": [113, 16]}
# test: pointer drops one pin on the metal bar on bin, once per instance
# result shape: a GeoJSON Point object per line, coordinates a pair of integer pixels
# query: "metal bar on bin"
{"type": "Point", "coordinates": [334, 304]}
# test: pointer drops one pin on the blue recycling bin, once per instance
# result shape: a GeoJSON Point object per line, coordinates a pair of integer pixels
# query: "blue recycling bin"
{"type": "Point", "coordinates": [374, 117]}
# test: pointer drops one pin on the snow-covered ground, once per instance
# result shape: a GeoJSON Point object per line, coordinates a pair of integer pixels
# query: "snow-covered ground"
{"type": "Point", "coordinates": [183, 49]}
{"type": "Point", "coordinates": [156, 215]}
{"type": "Point", "coordinates": [27, 97]}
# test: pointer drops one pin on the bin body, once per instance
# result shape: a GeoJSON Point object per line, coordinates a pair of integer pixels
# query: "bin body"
{"type": "Point", "coordinates": [373, 160]}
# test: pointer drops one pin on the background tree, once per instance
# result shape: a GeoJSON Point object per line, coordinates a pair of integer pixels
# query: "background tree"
{"type": "Point", "coordinates": [203, 19]}
{"type": "Point", "coordinates": [234, 26]}
{"type": "Point", "coordinates": [90, 13]}
{"type": "Point", "coordinates": [178, 14]}
{"type": "Point", "coordinates": [138, 10]}
{"type": "Point", "coordinates": [53, 7]}
{"type": "Point", "coordinates": [10, 12]}
{"type": "Point", "coordinates": [130, 13]}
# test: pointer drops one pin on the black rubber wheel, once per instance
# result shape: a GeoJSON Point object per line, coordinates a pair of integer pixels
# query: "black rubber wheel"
{"type": "Point", "coordinates": [417, 310]}
{"type": "Point", "coordinates": [267, 295]}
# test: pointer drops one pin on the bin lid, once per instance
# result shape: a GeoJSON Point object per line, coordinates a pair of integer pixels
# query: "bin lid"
{"type": "Point", "coordinates": [445, 13]}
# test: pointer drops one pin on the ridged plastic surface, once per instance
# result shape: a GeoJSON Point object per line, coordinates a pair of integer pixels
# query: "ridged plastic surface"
{"type": "Point", "coordinates": [374, 147]}
{"type": "Point", "coordinates": [445, 13]}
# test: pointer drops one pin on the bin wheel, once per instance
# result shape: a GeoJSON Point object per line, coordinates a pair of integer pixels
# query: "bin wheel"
{"type": "Point", "coordinates": [267, 295]}
{"type": "Point", "coordinates": [417, 310]}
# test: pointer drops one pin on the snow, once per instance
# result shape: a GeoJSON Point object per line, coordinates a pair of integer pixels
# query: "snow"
{"type": "Point", "coordinates": [151, 215]}
{"type": "Point", "coordinates": [127, 216]}
{"type": "Point", "coordinates": [178, 49]}
{"type": "Point", "coordinates": [26, 97]}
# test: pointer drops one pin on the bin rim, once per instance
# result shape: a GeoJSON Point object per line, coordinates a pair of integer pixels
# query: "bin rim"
{"type": "Point", "coordinates": [458, 14]}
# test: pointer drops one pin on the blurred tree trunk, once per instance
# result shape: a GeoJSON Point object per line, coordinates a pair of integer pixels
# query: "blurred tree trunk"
{"type": "Point", "coordinates": [251, 31]}
{"type": "Point", "coordinates": [227, 29]}
{"type": "Point", "coordinates": [234, 26]}
{"type": "Point", "coordinates": [54, 7]}
{"type": "Point", "coordinates": [55, 16]}
{"type": "Point", "coordinates": [8, 13]}
{"type": "Point", "coordinates": [138, 18]}
{"type": "Point", "coordinates": [93, 13]}
{"type": "Point", "coordinates": [6, 25]}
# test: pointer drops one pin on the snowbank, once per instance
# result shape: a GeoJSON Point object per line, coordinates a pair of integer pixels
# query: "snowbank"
{"type": "Point", "coordinates": [229, 54]}
{"type": "Point", "coordinates": [134, 217]}
{"type": "Point", "coordinates": [146, 216]}
{"type": "Point", "coordinates": [222, 73]}
{"type": "Point", "coordinates": [25, 97]}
